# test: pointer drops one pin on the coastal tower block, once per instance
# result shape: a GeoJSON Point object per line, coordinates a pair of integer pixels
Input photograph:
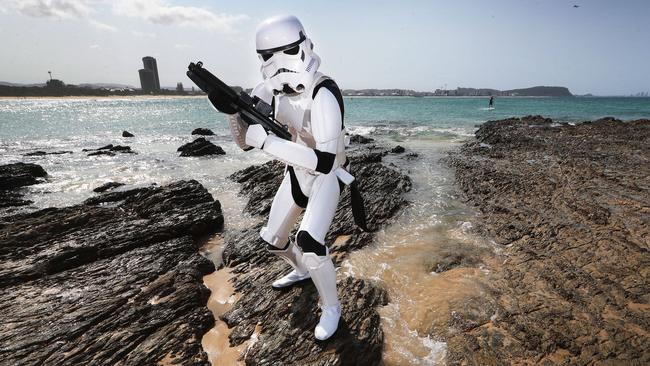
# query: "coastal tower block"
{"type": "Point", "coordinates": [149, 80]}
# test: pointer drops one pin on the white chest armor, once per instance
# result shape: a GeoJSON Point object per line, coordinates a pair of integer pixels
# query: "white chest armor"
{"type": "Point", "coordinates": [296, 113]}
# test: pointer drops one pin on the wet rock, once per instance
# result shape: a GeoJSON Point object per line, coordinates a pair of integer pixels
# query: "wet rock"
{"type": "Point", "coordinates": [105, 147]}
{"type": "Point", "coordinates": [115, 280]}
{"type": "Point", "coordinates": [107, 186]}
{"type": "Point", "coordinates": [127, 134]}
{"type": "Point", "coordinates": [12, 199]}
{"type": "Point", "coordinates": [35, 153]}
{"type": "Point", "coordinates": [202, 131]}
{"type": "Point", "coordinates": [358, 139]}
{"type": "Point", "coordinates": [17, 175]}
{"type": "Point", "coordinates": [122, 149]}
{"type": "Point", "coordinates": [110, 150]}
{"type": "Point", "coordinates": [259, 184]}
{"type": "Point", "coordinates": [471, 313]}
{"type": "Point", "coordinates": [200, 147]}
{"type": "Point", "coordinates": [43, 153]}
{"type": "Point", "coordinates": [102, 152]}
{"type": "Point", "coordinates": [283, 321]}
{"type": "Point", "coordinates": [398, 149]}
{"type": "Point", "coordinates": [569, 205]}
{"type": "Point", "coordinates": [451, 256]}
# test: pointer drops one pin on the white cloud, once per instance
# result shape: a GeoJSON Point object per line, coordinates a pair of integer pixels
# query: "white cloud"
{"type": "Point", "coordinates": [95, 46]}
{"type": "Point", "coordinates": [181, 46]}
{"type": "Point", "coordinates": [160, 12]}
{"type": "Point", "coordinates": [60, 9]}
{"type": "Point", "coordinates": [102, 26]}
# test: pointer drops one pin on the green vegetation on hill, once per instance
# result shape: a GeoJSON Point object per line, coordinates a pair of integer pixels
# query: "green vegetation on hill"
{"type": "Point", "coordinates": [536, 91]}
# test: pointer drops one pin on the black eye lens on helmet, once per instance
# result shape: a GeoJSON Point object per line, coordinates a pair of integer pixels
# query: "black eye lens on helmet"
{"type": "Point", "coordinates": [292, 50]}
{"type": "Point", "coordinates": [266, 56]}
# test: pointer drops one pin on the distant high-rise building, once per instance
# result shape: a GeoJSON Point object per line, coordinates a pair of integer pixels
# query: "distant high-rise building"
{"type": "Point", "coordinates": [149, 75]}
{"type": "Point", "coordinates": [147, 81]}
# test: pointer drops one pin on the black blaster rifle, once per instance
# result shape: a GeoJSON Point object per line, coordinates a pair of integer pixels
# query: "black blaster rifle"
{"type": "Point", "coordinates": [253, 110]}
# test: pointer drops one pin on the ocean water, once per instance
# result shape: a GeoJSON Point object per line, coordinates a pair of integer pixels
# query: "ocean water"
{"type": "Point", "coordinates": [99, 119]}
{"type": "Point", "coordinates": [421, 302]}
{"type": "Point", "coordinates": [161, 125]}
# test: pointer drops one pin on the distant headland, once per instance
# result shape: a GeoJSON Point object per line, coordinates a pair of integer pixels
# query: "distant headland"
{"type": "Point", "coordinates": [535, 91]}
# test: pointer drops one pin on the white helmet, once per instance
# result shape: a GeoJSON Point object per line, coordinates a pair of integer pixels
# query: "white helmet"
{"type": "Point", "coordinates": [288, 60]}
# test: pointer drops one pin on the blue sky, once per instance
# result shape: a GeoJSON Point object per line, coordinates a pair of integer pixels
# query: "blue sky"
{"type": "Point", "coordinates": [601, 47]}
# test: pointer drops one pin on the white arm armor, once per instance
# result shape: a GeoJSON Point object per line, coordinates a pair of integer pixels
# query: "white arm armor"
{"type": "Point", "coordinates": [238, 127]}
{"type": "Point", "coordinates": [326, 122]}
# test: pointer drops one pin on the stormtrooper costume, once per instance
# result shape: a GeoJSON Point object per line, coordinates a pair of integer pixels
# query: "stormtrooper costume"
{"type": "Point", "coordinates": [311, 105]}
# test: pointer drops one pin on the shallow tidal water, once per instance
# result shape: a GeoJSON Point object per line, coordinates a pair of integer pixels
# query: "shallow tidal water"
{"type": "Point", "coordinates": [419, 310]}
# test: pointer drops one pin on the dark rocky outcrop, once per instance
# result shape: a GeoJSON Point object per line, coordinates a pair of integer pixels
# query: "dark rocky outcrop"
{"type": "Point", "coordinates": [203, 132]}
{"type": "Point", "coordinates": [398, 149]}
{"type": "Point", "coordinates": [283, 321]}
{"type": "Point", "coordinates": [14, 176]}
{"type": "Point", "coordinates": [358, 139]}
{"type": "Point", "coordinates": [115, 280]}
{"type": "Point", "coordinates": [127, 134]}
{"type": "Point", "coordinates": [102, 152]}
{"type": "Point", "coordinates": [42, 153]}
{"type": "Point", "coordinates": [107, 186]}
{"type": "Point", "coordinates": [110, 150]}
{"type": "Point", "coordinates": [18, 175]}
{"type": "Point", "coordinates": [570, 207]}
{"type": "Point", "coordinates": [200, 147]}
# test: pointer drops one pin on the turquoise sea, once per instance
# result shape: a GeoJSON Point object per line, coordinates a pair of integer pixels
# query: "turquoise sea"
{"type": "Point", "coordinates": [434, 219]}
{"type": "Point", "coordinates": [43, 119]}
{"type": "Point", "coordinates": [163, 124]}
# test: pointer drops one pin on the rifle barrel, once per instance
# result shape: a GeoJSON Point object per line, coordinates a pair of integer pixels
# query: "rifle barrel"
{"type": "Point", "coordinates": [209, 83]}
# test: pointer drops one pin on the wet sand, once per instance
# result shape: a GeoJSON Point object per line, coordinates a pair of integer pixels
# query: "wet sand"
{"type": "Point", "coordinates": [215, 342]}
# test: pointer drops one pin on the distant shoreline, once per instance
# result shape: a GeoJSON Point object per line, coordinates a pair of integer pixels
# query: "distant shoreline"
{"type": "Point", "coordinates": [145, 97]}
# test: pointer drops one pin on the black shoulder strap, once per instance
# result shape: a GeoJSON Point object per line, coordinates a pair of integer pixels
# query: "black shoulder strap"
{"type": "Point", "coordinates": [330, 85]}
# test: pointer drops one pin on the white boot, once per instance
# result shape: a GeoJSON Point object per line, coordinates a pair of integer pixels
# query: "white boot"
{"type": "Point", "coordinates": [323, 274]}
{"type": "Point", "coordinates": [292, 255]}
{"type": "Point", "coordinates": [290, 279]}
